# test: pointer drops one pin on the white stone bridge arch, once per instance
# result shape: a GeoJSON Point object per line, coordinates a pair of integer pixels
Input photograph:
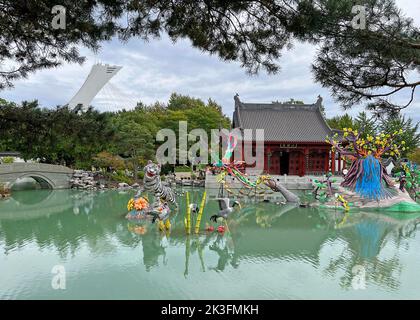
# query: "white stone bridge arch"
{"type": "Point", "coordinates": [47, 175]}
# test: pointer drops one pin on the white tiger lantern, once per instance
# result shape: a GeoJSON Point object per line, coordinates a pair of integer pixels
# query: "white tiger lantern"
{"type": "Point", "coordinates": [152, 183]}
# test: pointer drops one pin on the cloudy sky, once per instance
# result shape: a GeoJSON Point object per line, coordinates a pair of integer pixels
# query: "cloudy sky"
{"type": "Point", "coordinates": [152, 71]}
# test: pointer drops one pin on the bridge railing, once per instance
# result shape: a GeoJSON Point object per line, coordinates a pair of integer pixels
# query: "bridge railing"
{"type": "Point", "coordinates": [33, 167]}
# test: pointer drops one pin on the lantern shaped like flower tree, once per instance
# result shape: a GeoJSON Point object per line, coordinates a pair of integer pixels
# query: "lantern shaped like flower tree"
{"type": "Point", "coordinates": [366, 175]}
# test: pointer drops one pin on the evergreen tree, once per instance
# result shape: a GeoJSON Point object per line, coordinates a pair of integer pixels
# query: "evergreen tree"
{"type": "Point", "coordinates": [410, 134]}
{"type": "Point", "coordinates": [359, 63]}
{"type": "Point", "coordinates": [414, 156]}
{"type": "Point", "coordinates": [341, 122]}
{"type": "Point", "coordinates": [365, 124]}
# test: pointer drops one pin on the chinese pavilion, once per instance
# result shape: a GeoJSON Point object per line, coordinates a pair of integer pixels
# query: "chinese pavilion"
{"type": "Point", "coordinates": [294, 136]}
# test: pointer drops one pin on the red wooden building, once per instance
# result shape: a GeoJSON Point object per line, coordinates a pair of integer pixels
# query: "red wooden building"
{"type": "Point", "coordinates": [294, 136]}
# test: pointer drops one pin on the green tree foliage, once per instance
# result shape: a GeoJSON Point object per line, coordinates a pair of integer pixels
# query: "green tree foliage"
{"type": "Point", "coordinates": [341, 122]}
{"type": "Point", "coordinates": [410, 135]}
{"type": "Point", "coordinates": [137, 129]}
{"type": "Point", "coordinates": [106, 159]}
{"type": "Point", "coordinates": [181, 102]}
{"type": "Point", "coordinates": [372, 126]}
{"type": "Point", "coordinates": [7, 160]}
{"type": "Point", "coordinates": [28, 42]}
{"type": "Point", "coordinates": [201, 116]}
{"type": "Point", "coordinates": [358, 64]}
{"type": "Point", "coordinates": [84, 138]}
{"type": "Point", "coordinates": [410, 177]}
{"type": "Point", "coordinates": [58, 136]}
{"type": "Point", "coordinates": [366, 124]}
{"type": "Point", "coordinates": [135, 137]}
{"type": "Point", "coordinates": [293, 101]}
{"type": "Point", "coordinates": [365, 64]}
{"type": "Point", "coordinates": [414, 156]}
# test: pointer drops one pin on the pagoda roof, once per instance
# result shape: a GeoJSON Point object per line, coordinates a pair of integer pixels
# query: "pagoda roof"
{"type": "Point", "coordinates": [283, 121]}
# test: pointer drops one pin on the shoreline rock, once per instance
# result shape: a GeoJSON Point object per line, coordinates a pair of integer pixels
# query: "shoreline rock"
{"type": "Point", "coordinates": [93, 181]}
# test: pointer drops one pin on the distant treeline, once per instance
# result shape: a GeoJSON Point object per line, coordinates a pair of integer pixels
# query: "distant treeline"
{"type": "Point", "coordinates": [82, 139]}
{"type": "Point", "coordinates": [126, 139]}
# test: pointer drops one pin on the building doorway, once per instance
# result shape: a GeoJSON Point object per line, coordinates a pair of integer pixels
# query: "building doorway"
{"type": "Point", "coordinates": [284, 163]}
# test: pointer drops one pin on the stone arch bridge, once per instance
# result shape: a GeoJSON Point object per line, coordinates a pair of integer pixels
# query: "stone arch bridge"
{"type": "Point", "coordinates": [47, 175]}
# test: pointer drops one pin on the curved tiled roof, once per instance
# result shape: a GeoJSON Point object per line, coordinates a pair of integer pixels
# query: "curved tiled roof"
{"type": "Point", "coordinates": [283, 122]}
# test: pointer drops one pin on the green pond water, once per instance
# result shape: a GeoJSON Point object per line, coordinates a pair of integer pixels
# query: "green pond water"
{"type": "Point", "coordinates": [270, 252]}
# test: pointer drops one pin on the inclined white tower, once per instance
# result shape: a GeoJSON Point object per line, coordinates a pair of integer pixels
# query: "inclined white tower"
{"type": "Point", "coordinates": [99, 75]}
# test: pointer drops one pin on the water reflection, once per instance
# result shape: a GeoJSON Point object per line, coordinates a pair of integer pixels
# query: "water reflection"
{"type": "Point", "coordinates": [328, 241]}
{"type": "Point", "coordinates": [152, 250]}
{"type": "Point", "coordinates": [28, 198]}
{"type": "Point", "coordinates": [368, 236]}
